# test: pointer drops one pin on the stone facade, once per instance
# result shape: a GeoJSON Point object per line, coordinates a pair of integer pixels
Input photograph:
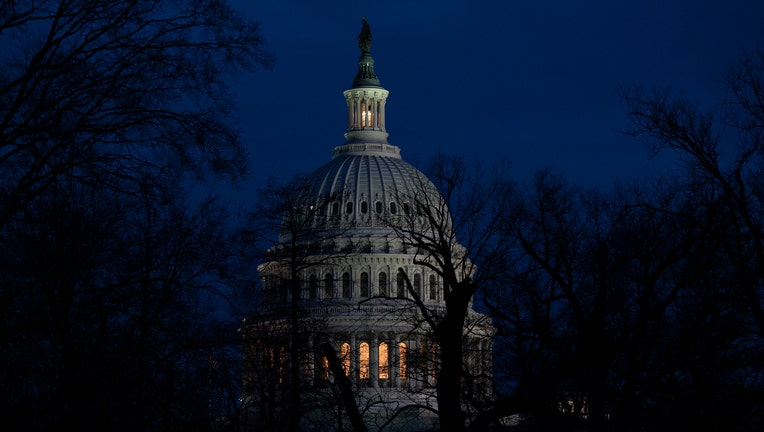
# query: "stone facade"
{"type": "Point", "coordinates": [343, 274]}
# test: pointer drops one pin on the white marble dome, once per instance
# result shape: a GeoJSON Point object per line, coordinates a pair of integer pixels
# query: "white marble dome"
{"type": "Point", "coordinates": [342, 274]}
{"type": "Point", "coordinates": [367, 183]}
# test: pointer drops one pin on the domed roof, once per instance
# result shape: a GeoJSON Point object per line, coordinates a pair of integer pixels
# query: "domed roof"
{"type": "Point", "coordinates": [365, 184]}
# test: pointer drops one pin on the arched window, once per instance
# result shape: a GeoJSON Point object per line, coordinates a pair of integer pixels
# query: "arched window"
{"type": "Point", "coordinates": [428, 353]}
{"type": "Point", "coordinates": [364, 207]}
{"type": "Point", "coordinates": [328, 285]}
{"type": "Point", "coordinates": [277, 359]}
{"type": "Point", "coordinates": [400, 284]}
{"type": "Point", "coordinates": [384, 362]}
{"type": "Point", "coordinates": [402, 361]}
{"type": "Point", "coordinates": [383, 284]}
{"type": "Point", "coordinates": [324, 368]}
{"type": "Point", "coordinates": [433, 288]}
{"type": "Point", "coordinates": [349, 208]}
{"type": "Point", "coordinates": [418, 285]}
{"type": "Point", "coordinates": [393, 208]}
{"type": "Point", "coordinates": [300, 286]}
{"type": "Point", "coordinates": [363, 361]}
{"type": "Point", "coordinates": [345, 357]}
{"type": "Point", "coordinates": [366, 119]}
{"type": "Point", "coordinates": [335, 208]}
{"type": "Point", "coordinates": [406, 209]}
{"type": "Point", "coordinates": [346, 288]}
{"type": "Point", "coordinates": [364, 284]}
{"type": "Point", "coordinates": [378, 206]}
{"type": "Point", "coordinates": [312, 287]}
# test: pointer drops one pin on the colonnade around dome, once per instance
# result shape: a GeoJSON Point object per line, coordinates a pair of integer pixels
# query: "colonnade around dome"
{"type": "Point", "coordinates": [353, 279]}
{"type": "Point", "coordinates": [371, 355]}
{"type": "Point", "coordinates": [345, 272]}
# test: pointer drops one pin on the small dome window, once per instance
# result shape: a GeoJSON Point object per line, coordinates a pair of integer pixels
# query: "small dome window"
{"type": "Point", "coordinates": [349, 208]}
{"type": "Point", "coordinates": [378, 206]}
{"type": "Point", "coordinates": [406, 209]}
{"type": "Point", "coordinates": [393, 208]}
{"type": "Point", "coordinates": [335, 208]}
{"type": "Point", "coordinates": [364, 207]}
{"type": "Point", "coordinates": [346, 287]}
{"type": "Point", "coordinates": [364, 284]}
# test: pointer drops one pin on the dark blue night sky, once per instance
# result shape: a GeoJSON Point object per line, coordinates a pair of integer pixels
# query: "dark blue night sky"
{"type": "Point", "coordinates": [532, 83]}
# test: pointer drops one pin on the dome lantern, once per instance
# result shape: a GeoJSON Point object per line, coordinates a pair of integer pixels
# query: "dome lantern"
{"type": "Point", "coordinates": [366, 101]}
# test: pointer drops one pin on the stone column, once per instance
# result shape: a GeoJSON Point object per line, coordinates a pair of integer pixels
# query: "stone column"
{"type": "Point", "coordinates": [395, 352]}
{"type": "Point", "coordinates": [374, 361]}
{"type": "Point", "coordinates": [311, 362]}
{"type": "Point", "coordinates": [353, 359]}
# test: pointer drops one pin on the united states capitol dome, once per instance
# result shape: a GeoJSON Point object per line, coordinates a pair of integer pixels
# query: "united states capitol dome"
{"type": "Point", "coordinates": [349, 278]}
{"type": "Point", "coordinates": [367, 184]}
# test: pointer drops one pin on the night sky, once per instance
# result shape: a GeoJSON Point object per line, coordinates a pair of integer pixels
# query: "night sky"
{"type": "Point", "coordinates": [534, 83]}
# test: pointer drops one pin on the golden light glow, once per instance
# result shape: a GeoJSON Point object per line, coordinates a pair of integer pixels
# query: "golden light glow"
{"type": "Point", "coordinates": [403, 360]}
{"type": "Point", "coordinates": [384, 362]}
{"type": "Point", "coordinates": [363, 361]}
{"type": "Point", "coordinates": [345, 357]}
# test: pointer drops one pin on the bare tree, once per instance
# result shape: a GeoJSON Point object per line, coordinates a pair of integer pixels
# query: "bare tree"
{"type": "Point", "coordinates": [294, 235]}
{"type": "Point", "coordinates": [453, 224]}
{"type": "Point", "coordinates": [103, 92]}
{"type": "Point", "coordinates": [110, 308]}
{"type": "Point", "coordinates": [719, 147]}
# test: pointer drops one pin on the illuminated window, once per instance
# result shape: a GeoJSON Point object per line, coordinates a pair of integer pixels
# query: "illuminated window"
{"type": "Point", "coordinates": [403, 361]}
{"type": "Point", "coordinates": [328, 285]}
{"type": "Point", "coordinates": [277, 359]}
{"type": "Point", "coordinates": [384, 362]}
{"type": "Point", "coordinates": [307, 370]}
{"type": "Point", "coordinates": [364, 284]}
{"type": "Point", "coordinates": [418, 285]}
{"type": "Point", "coordinates": [363, 360]}
{"type": "Point", "coordinates": [325, 368]}
{"type": "Point", "coordinates": [433, 288]}
{"type": "Point", "coordinates": [345, 357]}
{"type": "Point", "coordinates": [383, 284]}
{"type": "Point", "coordinates": [428, 354]}
{"type": "Point", "coordinates": [366, 117]}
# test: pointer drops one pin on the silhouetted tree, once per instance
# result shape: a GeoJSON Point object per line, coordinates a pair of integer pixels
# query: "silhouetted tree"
{"type": "Point", "coordinates": [102, 92]}
{"type": "Point", "coordinates": [289, 234]}
{"type": "Point", "coordinates": [454, 227]}
{"type": "Point", "coordinates": [110, 314]}
{"type": "Point", "coordinates": [111, 281]}
{"type": "Point", "coordinates": [719, 148]}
